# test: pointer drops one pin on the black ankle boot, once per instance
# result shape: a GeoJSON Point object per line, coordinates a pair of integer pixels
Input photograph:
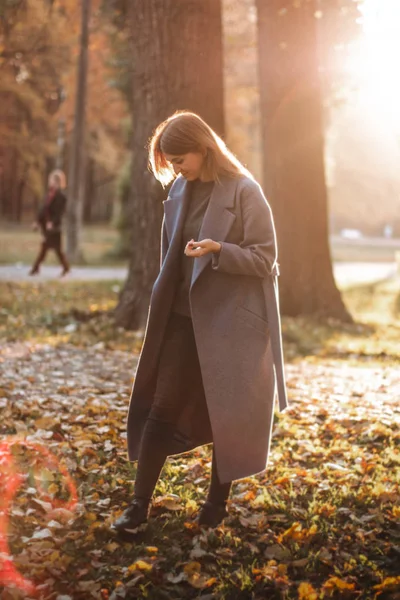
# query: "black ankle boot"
{"type": "Point", "coordinates": [133, 517]}
{"type": "Point", "coordinates": [211, 515]}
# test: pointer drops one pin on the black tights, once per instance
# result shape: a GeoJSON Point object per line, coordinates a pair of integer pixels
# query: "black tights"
{"type": "Point", "coordinates": [178, 363]}
{"type": "Point", "coordinates": [45, 246]}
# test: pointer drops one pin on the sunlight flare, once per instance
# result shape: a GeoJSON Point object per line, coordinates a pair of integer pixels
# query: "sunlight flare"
{"type": "Point", "coordinates": [372, 64]}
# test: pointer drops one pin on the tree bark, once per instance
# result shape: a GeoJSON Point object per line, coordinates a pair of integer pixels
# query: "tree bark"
{"type": "Point", "coordinates": [176, 64]}
{"type": "Point", "coordinates": [89, 197]}
{"type": "Point", "coordinates": [294, 171]}
{"type": "Point", "coordinates": [75, 174]}
{"type": "Point", "coordinates": [19, 206]}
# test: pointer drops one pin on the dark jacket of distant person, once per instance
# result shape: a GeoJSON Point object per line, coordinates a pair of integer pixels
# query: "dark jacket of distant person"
{"type": "Point", "coordinates": [52, 212]}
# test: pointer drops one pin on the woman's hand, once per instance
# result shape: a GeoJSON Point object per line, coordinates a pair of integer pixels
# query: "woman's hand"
{"type": "Point", "coordinates": [49, 226]}
{"type": "Point", "coordinates": [196, 249]}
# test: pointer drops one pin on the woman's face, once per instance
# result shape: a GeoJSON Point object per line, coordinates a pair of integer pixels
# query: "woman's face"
{"type": "Point", "coordinates": [54, 182]}
{"type": "Point", "coordinates": [188, 165]}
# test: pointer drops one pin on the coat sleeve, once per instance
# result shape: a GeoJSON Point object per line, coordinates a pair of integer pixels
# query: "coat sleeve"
{"type": "Point", "coordinates": [256, 255]}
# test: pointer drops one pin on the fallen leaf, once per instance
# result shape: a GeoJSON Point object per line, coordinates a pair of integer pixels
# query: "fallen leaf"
{"type": "Point", "coordinates": [140, 565]}
{"type": "Point", "coordinates": [307, 592]}
{"type": "Point", "coordinates": [42, 534]}
{"type": "Point", "coordinates": [337, 583]}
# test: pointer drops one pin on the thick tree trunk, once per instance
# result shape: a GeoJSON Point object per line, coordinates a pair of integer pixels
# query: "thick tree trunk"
{"type": "Point", "coordinates": [19, 205]}
{"type": "Point", "coordinates": [75, 175]}
{"type": "Point", "coordinates": [89, 197]}
{"type": "Point", "coordinates": [177, 64]}
{"type": "Point", "coordinates": [292, 123]}
{"type": "Point", "coordinates": [9, 169]}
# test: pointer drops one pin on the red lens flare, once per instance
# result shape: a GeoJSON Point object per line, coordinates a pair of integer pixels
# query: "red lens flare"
{"type": "Point", "coordinates": [10, 482]}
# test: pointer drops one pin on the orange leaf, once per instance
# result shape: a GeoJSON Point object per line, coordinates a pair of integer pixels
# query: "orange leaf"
{"type": "Point", "coordinates": [389, 584]}
{"type": "Point", "coordinates": [340, 584]}
{"type": "Point", "coordinates": [307, 592]}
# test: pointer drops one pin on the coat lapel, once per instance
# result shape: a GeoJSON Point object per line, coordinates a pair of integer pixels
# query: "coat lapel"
{"type": "Point", "coordinates": [217, 222]}
{"type": "Point", "coordinates": [218, 219]}
{"type": "Point", "coordinates": [175, 210]}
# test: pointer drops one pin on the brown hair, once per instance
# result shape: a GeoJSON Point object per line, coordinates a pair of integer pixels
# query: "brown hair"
{"type": "Point", "coordinates": [186, 132]}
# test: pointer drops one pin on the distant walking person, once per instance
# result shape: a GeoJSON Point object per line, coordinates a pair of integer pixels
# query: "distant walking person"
{"type": "Point", "coordinates": [49, 221]}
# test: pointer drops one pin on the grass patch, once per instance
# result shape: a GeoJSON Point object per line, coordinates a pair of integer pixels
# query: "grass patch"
{"type": "Point", "coordinates": [364, 249]}
{"type": "Point", "coordinates": [63, 312]}
{"type": "Point", "coordinates": [81, 314]}
{"type": "Point", "coordinates": [374, 335]}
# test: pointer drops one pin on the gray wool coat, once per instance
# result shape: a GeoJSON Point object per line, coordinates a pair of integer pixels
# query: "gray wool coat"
{"type": "Point", "coordinates": [234, 304]}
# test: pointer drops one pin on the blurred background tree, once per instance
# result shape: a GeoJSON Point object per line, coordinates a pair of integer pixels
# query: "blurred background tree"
{"type": "Point", "coordinates": [32, 61]}
{"type": "Point", "coordinates": [38, 56]}
{"type": "Point", "coordinates": [77, 152]}
{"type": "Point", "coordinates": [39, 47]}
{"type": "Point", "coordinates": [184, 70]}
{"type": "Point", "coordinates": [293, 144]}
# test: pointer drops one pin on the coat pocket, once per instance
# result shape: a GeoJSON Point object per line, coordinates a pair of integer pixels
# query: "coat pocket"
{"type": "Point", "coordinates": [252, 319]}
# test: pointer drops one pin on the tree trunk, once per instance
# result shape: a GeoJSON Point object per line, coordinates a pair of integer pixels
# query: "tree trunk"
{"type": "Point", "coordinates": [90, 197]}
{"type": "Point", "coordinates": [19, 205]}
{"type": "Point", "coordinates": [74, 211]}
{"type": "Point", "coordinates": [177, 64]}
{"type": "Point", "coordinates": [292, 123]}
{"type": "Point", "coordinates": [60, 143]}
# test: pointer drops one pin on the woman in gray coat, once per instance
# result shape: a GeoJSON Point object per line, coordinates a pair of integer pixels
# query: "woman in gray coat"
{"type": "Point", "coordinates": [211, 361]}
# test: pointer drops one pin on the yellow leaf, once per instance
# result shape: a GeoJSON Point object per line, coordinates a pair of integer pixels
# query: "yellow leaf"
{"type": "Point", "coordinates": [396, 512]}
{"type": "Point", "coordinates": [294, 532]}
{"type": "Point", "coordinates": [152, 549]}
{"type": "Point", "coordinates": [201, 580]}
{"type": "Point", "coordinates": [307, 592]}
{"type": "Point", "coordinates": [169, 502]}
{"type": "Point", "coordinates": [297, 533]}
{"type": "Point", "coordinates": [280, 480]}
{"type": "Point", "coordinates": [53, 556]}
{"type": "Point", "coordinates": [91, 516]}
{"type": "Point", "coordinates": [191, 506]}
{"type": "Point", "coordinates": [53, 489]}
{"type": "Point", "coordinates": [139, 565]}
{"type": "Point", "coordinates": [192, 567]}
{"type": "Point", "coordinates": [312, 531]}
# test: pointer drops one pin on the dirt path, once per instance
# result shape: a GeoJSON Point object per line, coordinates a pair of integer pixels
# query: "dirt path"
{"type": "Point", "coordinates": [21, 273]}
{"type": "Point", "coordinates": [346, 274]}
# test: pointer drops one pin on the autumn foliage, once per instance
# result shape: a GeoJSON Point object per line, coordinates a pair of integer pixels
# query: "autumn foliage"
{"type": "Point", "coordinates": [38, 56]}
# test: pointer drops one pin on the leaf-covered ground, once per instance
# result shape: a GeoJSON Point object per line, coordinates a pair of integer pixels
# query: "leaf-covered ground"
{"type": "Point", "coordinates": [321, 522]}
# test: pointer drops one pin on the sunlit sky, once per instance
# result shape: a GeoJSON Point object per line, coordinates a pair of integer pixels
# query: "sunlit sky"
{"type": "Point", "coordinates": [374, 61]}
